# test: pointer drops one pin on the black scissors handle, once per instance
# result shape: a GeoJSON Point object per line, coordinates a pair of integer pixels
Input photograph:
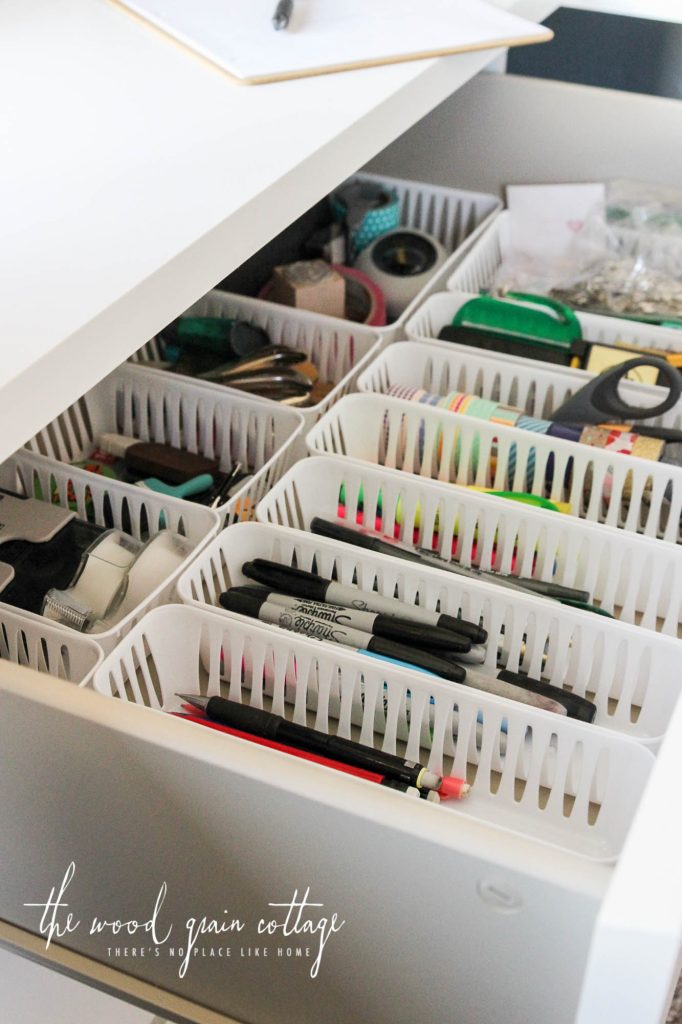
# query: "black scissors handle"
{"type": "Point", "coordinates": [599, 400]}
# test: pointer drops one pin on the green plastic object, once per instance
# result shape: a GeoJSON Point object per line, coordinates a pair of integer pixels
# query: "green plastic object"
{"type": "Point", "coordinates": [551, 321]}
{"type": "Point", "coordinates": [204, 328]}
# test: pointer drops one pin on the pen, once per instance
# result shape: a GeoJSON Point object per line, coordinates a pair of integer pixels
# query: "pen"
{"type": "Point", "coordinates": [282, 15]}
{"type": "Point", "coordinates": [300, 583]}
{"type": "Point", "coordinates": [402, 630]}
{"type": "Point", "coordinates": [277, 728]}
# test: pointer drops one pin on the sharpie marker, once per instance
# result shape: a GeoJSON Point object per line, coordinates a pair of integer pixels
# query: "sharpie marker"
{"type": "Point", "coordinates": [401, 630]}
{"type": "Point", "coordinates": [234, 600]}
{"type": "Point", "coordinates": [503, 685]}
{"type": "Point", "coordinates": [325, 528]}
{"type": "Point", "coordinates": [288, 580]}
{"type": "Point", "coordinates": [277, 728]}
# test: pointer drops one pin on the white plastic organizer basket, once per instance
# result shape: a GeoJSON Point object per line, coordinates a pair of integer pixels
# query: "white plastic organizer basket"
{"type": "Point", "coordinates": [174, 410]}
{"type": "Point", "coordinates": [45, 647]}
{"type": "Point", "coordinates": [476, 271]}
{"type": "Point", "coordinates": [456, 218]}
{"type": "Point", "coordinates": [338, 348]}
{"type": "Point", "coordinates": [536, 387]}
{"type": "Point", "coordinates": [560, 783]}
{"type": "Point", "coordinates": [634, 578]}
{"type": "Point", "coordinates": [137, 511]}
{"type": "Point", "coordinates": [630, 674]}
{"type": "Point", "coordinates": [635, 495]}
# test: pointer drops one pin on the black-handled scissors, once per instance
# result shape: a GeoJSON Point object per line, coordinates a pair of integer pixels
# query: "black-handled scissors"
{"type": "Point", "coordinates": [599, 400]}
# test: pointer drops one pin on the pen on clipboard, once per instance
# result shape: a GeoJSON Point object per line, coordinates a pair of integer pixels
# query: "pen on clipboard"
{"type": "Point", "coordinates": [282, 15]}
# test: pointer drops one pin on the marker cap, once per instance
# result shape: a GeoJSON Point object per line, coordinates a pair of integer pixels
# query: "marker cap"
{"type": "Point", "coordinates": [286, 579]}
{"type": "Point", "coordinates": [576, 707]}
{"type": "Point", "coordinates": [236, 600]}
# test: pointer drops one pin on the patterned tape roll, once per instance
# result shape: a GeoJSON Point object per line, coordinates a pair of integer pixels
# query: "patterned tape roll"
{"type": "Point", "coordinates": [565, 431]}
{"type": "Point", "coordinates": [649, 448]}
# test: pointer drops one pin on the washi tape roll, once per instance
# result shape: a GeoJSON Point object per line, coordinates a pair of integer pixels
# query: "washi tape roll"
{"type": "Point", "coordinates": [481, 408]}
{"type": "Point", "coordinates": [565, 431]}
{"type": "Point", "coordinates": [369, 210]}
{"type": "Point", "coordinates": [648, 448]}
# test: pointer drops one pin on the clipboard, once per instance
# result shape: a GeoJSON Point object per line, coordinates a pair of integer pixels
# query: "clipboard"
{"type": "Point", "coordinates": [326, 36]}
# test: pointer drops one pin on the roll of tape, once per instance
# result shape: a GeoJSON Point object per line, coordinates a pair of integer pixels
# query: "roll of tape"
{"type": "Point", "coordinates": [401, 262]}
{"type": "Point", "coordinates": [158, 560]}
{"type": "Point", "coordinates": [100, 583]}
{"type": "Point", "coordinates": [365, 302]}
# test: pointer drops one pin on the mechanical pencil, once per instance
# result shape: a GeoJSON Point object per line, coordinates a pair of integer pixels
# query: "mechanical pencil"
{"type": "Point", "coordinates": [277, 728]}
{"type": "Point", "coordinates": [305, 755]}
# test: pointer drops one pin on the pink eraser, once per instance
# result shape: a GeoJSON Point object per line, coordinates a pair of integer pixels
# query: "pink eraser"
{"type": "Point", "coordinates": [452, 788]}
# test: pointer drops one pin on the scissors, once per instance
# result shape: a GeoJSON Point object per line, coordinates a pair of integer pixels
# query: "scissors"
{"type": "Point", "coordinates": [599, 401]}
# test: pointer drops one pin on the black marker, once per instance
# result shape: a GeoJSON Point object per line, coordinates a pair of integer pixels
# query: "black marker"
{"type": "Point", "coordinates": [509, 685]}
{"type": "Point", "coordinates": [288, 580]}
{"type": "Point", "coordinates": [325, 528]}
{"type": "Point", "coordinates": [235, 600]}
{"type": "Point", "coordinates": [401, 630]}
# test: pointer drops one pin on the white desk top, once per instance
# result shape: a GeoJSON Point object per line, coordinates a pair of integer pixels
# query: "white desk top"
{"type": "Point", "coordinates": [134, 176]}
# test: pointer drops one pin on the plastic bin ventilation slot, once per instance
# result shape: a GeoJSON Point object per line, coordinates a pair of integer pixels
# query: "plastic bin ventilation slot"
{"type": "Point", "coordinates": [600, 486]}
{"type": "Point", "coordinates": [110, 503]}
{"type": "Point", "coordinates": [176, 411]}
{"type": "Point", "coordinates": [634, 578]}
{"type": "Point", "coordinates": [563, 784]}
{"type": "Point", "coordinates": [631, 675]}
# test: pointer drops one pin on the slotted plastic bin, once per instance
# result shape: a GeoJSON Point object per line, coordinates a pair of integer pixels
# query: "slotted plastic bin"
{"type": "Point", "coordinates": [580, 785]}
{"type": "Point", "coordinates": [174, 410]}
{"type": "Point", "coordinates": [453, 216]}
{"type": "Point", "coordinates": [110, 503]}
{"type": "Point", "coordinates": [338, 348]}
{"type": "Point", "coordinates": [477, 270]}
{"type": "Point", "coordinates": [536, 387]}
{"type": "Point", "coordinates": [634, 495]}
{"type": "Point", "coordinates": [634, 578]}
{"type": "Point", "coordinates": [41, 645]}
{"type": "Point", "coordinates": [630, 674]}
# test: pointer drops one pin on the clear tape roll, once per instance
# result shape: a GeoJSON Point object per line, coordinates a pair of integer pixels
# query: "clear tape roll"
{"type": "Point", "coordinates": [116, 575]}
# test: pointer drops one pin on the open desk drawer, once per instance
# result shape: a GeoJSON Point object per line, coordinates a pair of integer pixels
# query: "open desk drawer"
{"type": "Point", "coordinates": [230, 826]}
{"type": "Point", "coordinates": [141, 799]}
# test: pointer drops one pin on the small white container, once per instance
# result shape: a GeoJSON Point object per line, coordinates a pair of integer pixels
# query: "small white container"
{"type": "Point", "coordinates": [601, 486]}
{"type": "Point", "coordinates": [106, 502]}
{"type": "Point", "coordinates": [634, 578]}
{"type": "Point", "coordinates": [579, 785]}
{"type": "Point", "coordinates": [338, 348]}
{"type": "Point", "coordinates": [41, 645]}
{"type": "Point", "coordinates": [162, 407]}
{"type": "Point", "coordinates": [476, 272]}
{"type": "Point", "coordinates": [538, 388]}
{"type": "Point", "coordinates": [631, 675]}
